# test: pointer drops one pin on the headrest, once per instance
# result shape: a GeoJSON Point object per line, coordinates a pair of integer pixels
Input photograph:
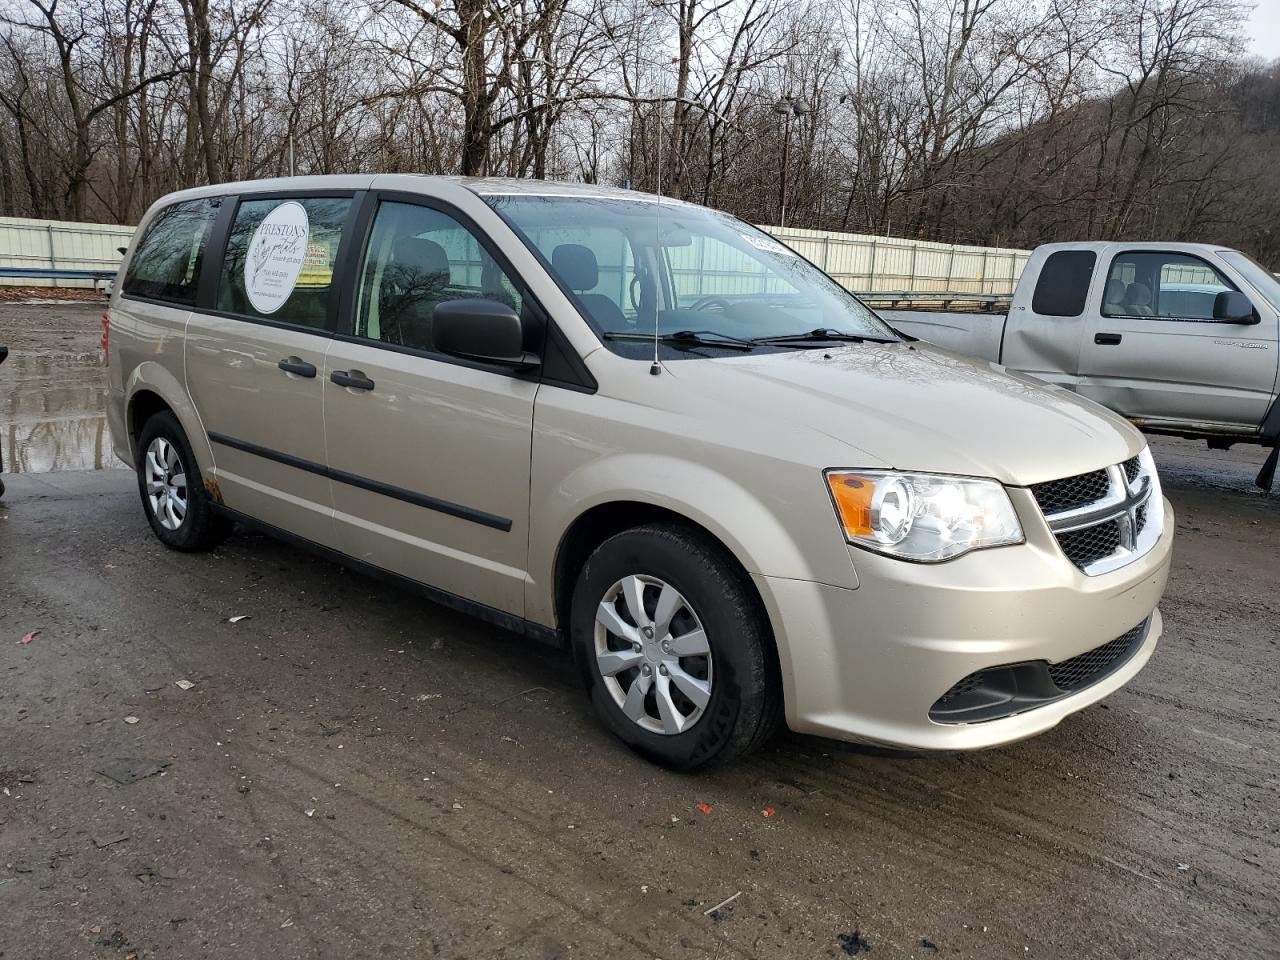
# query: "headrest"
{"type": "Point", "coordinates": [418, 255]}
{"type": "Point", "coordinates": [1114, 292]}
{"type": "Point", "coordinates": [1138, 295]}
{"type": "Point", "coordinates": [576, 265]}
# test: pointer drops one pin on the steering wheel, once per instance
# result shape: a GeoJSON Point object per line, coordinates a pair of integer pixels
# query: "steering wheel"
{"type": "Point", "coordinates": [719, 303]}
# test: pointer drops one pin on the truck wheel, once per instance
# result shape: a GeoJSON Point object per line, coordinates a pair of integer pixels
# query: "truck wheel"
{"type": "Point", "coordinates": [674, 647]}
{"type": "Point", "coordinates": [173, 494]}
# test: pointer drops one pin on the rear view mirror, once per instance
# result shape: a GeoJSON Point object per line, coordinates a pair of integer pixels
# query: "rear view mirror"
{"type": "Point", "coordinates": [1232, 306]}
{"type": "Point", "coordinates": [479, 329]}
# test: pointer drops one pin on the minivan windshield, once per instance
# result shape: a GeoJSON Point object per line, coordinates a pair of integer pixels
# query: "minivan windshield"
{"type": "Point", "coordinates": [1258, 276]}
{"type": "Point", "coordinates": [692, 275]}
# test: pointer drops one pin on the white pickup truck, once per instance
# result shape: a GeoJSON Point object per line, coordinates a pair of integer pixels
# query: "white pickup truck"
{"type": "Point", "coordinates": [1180, 338]}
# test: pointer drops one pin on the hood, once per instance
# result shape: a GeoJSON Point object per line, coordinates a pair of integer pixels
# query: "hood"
{"type": "Point", "coordinates": [916, 407]}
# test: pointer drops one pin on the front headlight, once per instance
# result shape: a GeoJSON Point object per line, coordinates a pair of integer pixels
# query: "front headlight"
{"type": "Point", "coordinates": [922, 516]}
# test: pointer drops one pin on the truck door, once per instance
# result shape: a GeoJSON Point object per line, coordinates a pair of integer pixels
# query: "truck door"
{"type": "Point", "coordinates": [1046, 324]}
{"type": "Point", "coordinates": [1155, 354]}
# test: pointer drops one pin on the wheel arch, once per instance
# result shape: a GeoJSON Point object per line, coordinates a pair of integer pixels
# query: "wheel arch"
{"type": "Point", "coordinates": [151, 389]}
{"type": "Point", "coordinates": [598, 523]}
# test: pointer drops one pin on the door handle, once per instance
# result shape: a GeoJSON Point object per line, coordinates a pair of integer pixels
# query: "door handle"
{"type": "Point", "coordinates": [1106, 339]}
{"type": "Point", "coordinates": [351, 378]}
{"type": "Point", "coordinates": [297, 366]}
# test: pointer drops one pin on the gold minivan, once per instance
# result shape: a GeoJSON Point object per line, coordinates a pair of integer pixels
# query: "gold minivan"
{"type": "Point", "coordinates": [646, 430]}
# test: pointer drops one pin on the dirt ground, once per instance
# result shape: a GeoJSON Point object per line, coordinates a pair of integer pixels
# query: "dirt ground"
{"type": "Point", "coordinates": [359, 773]}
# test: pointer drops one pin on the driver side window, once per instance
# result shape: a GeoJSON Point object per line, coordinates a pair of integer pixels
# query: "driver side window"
{"type": "Point", "coordinates": [418, 258]}
{"type": "Point", "coordinates": [1169, 286]}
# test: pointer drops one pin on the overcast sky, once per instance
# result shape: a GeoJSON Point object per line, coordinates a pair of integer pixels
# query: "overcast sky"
{"type": "Point", "coordinates": [1264, 29]}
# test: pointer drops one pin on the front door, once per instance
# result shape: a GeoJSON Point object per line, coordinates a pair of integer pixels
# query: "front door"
{"type": "Point", "coordinates": [1155, 354]}
{"type": "Point", "coordinates": [429, 455]}
{"type": "Point", "coordinates": [255, 361]}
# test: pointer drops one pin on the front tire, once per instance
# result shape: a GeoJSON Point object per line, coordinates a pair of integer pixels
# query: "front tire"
{"type": "Point", "coordinates": [674, 647]}
{"type": "Point", "coordinates": [177, 505]}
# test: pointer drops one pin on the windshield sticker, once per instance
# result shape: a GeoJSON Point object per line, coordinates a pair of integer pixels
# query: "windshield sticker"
{"type": "Point", "coordinates": [768, 245]}
{"type": "Point", "coordinates": [276, 255]}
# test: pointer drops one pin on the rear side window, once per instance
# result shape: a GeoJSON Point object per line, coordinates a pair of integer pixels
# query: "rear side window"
{"type": "Point", "coordinates": [166, 265]}
{"type": "Point", "coordinates": [1064, 283]}
{"type": "Point", "coordinates": [280, 259]}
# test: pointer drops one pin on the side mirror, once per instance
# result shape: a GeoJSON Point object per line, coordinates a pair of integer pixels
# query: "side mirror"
{"type": "Point", "coordinates": [1232, 306]}
{"type": "Point", "coordinates": [483, 330]}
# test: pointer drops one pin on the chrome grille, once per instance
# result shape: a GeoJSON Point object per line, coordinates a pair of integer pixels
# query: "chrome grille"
{"type": "Point", "coordinates": [1103, 519]}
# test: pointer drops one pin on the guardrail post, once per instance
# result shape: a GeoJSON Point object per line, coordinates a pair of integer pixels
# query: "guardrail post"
{"type": "Point", "coordinates": [53, 263]}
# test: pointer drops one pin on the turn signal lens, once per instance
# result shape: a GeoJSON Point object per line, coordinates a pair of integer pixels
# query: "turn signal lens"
{"type": "Point", "coordinates": [920, 516]}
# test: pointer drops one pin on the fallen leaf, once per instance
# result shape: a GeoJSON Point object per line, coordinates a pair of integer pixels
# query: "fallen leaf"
{"type": "Point", "coordinates": [705, 807]}
{"type": "Point", "coordinates": [768, 811]}
{"type": "Point", "coordinates": [30, 636]}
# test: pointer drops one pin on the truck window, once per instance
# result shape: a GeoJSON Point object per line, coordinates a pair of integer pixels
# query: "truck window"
{"type": "Point", "coordinates": [1160, 285]}
{"type": "Point", "coordinates": [166, 265]}
{"type": "Point", "coordinates": [280, 257]}
{"type": "Point", "coordinates": [1064, 283]}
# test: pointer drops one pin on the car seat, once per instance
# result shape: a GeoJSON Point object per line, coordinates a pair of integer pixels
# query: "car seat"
{"type": "Point", "coordinates": [414, 282]}
{"type": "Point", "coordinates": [580, 272]}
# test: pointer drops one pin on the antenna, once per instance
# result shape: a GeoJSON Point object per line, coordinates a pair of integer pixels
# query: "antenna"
{"type": "Point", "coordinates": [656, 367]}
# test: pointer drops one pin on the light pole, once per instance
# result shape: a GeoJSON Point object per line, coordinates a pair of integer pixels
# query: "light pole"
{"type": "Point", "coordinates": [788, 106]}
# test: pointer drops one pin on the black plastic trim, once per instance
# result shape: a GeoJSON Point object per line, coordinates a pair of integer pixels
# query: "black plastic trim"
{"type": "Point", "coordinates": [482, 611]}
{"type": "Point", "coordinates": [1006, 690]}
{"type": "Point", "coordinates": [364, 483]}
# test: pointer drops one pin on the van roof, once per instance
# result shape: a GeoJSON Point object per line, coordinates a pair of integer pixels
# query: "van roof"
{"type": "Point", "coordinates": [481, 186]}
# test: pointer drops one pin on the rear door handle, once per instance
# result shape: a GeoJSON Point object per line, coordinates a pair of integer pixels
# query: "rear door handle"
{"type": "Point", "coordinates": [297, 366]}
{"type": "Point", "coordinates": [351, 378]}
{"type": "Point", "coordinates": [1106, 339]}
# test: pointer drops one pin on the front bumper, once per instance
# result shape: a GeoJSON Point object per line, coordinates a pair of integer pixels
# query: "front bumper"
{"type": "Point", "coordinates": [867, 664]}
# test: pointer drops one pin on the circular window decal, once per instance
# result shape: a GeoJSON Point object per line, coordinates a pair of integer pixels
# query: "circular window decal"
{"type": "Point", "coordinates": [275, 256]}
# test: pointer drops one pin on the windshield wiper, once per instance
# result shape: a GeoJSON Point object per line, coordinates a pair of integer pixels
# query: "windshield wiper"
{"type": "Point", "coordinates": [821, 335]}
{"type": "Point", "coordinates": [697, 338]}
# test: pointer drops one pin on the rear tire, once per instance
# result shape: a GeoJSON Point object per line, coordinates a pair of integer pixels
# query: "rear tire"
{"type": "Point", "coordinates": [174, 497]}
{"type": "Point", "coordinates": [689, 681]}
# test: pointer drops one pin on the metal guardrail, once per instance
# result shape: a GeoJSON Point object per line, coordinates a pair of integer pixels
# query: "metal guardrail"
{"type": "Point", "coordinates": [931, 296]}
{"type": "Point", "coordinates": [49, 273]}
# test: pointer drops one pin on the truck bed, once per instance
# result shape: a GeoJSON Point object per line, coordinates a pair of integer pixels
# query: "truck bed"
{"type": "Point", "coordinates": [975, 334]}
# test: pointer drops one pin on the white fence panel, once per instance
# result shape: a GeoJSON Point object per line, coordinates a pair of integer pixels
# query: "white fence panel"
{"type": "Point", "coordinates": [865, 263]}
{"type": "Point", "coordinates": [61, 246]}
{"type": "Point", "coordinates": [861, 262]}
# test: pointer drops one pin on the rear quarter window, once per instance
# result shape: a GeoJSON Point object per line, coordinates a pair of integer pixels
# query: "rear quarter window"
{"type": "Point", "coordinates": [1063, 285]}
{"type": "Point", "coordinates": [166, 264]}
